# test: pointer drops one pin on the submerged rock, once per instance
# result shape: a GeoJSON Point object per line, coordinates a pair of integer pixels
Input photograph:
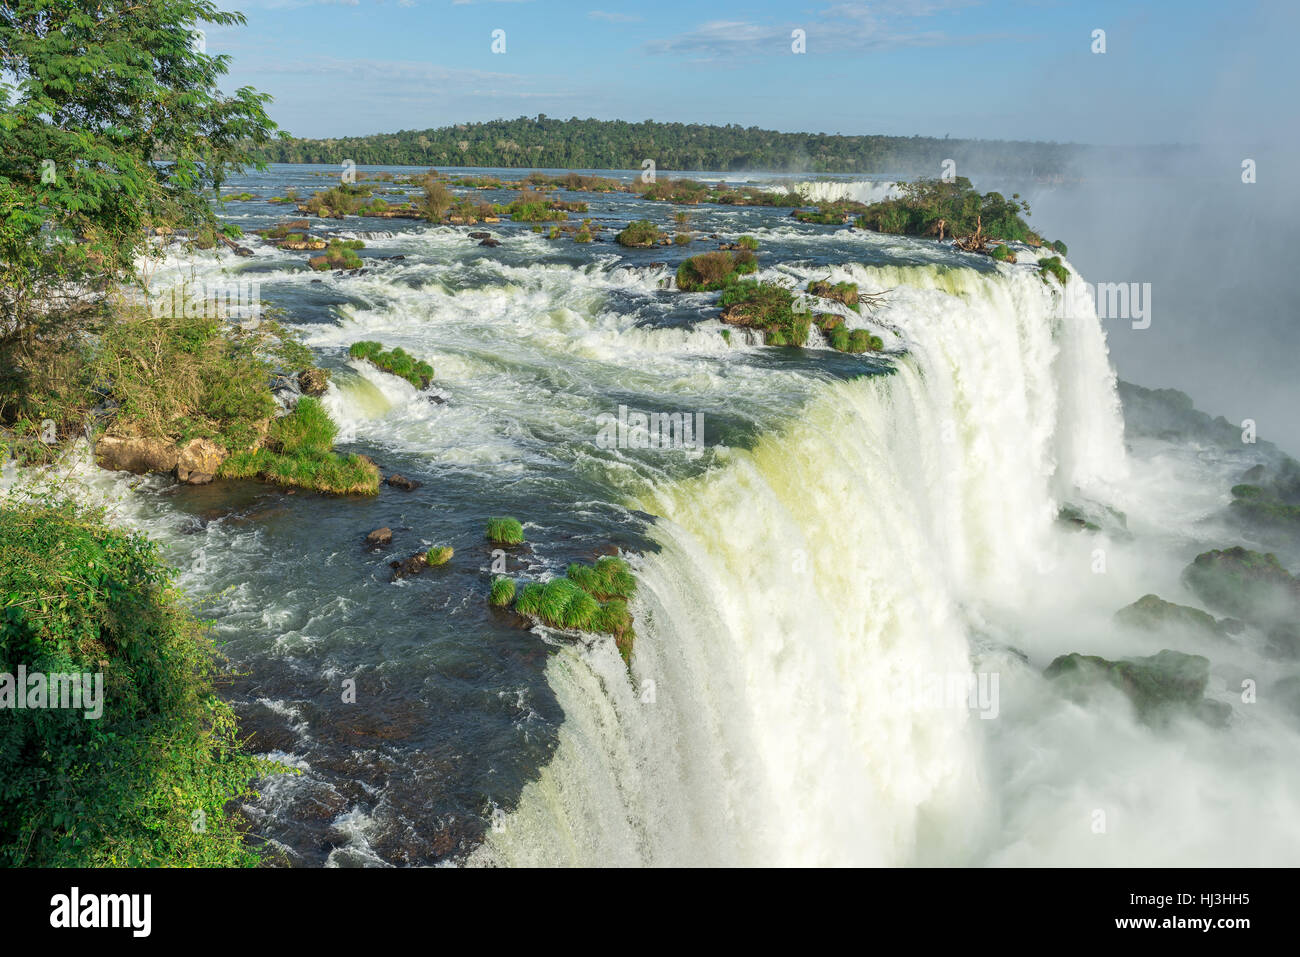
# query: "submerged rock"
{"type": "Point", "coordinates": [1160, 685]}
{"type": "Point", "coordinates": [490, 242]}
{"type": "Point", "coordinates": [402, 482]}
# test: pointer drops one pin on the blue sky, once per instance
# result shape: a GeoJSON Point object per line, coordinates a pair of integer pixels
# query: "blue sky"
{"type": "Point", "coordinates": [1019, 69]}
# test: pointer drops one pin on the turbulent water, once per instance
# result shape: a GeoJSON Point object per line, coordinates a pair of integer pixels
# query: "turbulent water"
{"type": "Point", "coordinates": [856, 529]}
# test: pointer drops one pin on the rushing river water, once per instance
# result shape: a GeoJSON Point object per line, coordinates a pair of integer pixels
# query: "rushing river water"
{"type": "Point", "coordinates": [853, 526]}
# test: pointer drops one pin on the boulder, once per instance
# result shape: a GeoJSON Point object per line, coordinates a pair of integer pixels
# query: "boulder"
{"type": "Point", "coordinates": [409, 566]}
{"type": "Point", "coordinates": [198, 458]}
{"type": "Point", "coordinates": [119, 454]}
{"type": "Point", "coordinates": [1159, 685]}
{"type": "Point", "coordinates": [379, 537]}
{"type": "Point", "coordinates": [490, 242]}
{"type": "Point", "coordinates": [402, 482]}
{"type": "Point", "coordinates": [1251, 586]}
{"type": "Point", "coordinates": [480, 235]}
{"type": "Point", "coordinates": [1152, 613]}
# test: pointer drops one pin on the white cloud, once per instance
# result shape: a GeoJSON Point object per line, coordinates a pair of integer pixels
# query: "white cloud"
{"type": "Point", "coordinates": [614, 17]}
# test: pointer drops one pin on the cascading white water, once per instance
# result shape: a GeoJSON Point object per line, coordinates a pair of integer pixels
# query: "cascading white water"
{"type": "Point", "coordinates": [801, 585]}
{"type": "Point", "coordinates": [860, 191]}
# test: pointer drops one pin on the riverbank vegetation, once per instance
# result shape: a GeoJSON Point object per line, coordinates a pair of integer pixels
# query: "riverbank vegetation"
{"type": "Point", "coordinates": [150, 781]}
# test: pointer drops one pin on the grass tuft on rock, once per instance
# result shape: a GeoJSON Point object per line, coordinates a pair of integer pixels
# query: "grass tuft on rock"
{"type": "Point", "coordinates": [438, 555]}
{"type": "Point", "coordinates": [505, 530]}
{"type": "Point", "coordinates": [502, 593]}
{"type": "Point", "coordinates": [398, 362]}
{"type": "Point", "coordinates": [298, 452]}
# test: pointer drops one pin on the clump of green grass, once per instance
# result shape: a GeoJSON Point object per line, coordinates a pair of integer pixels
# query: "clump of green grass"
{"type": "Point", "coordinates": [438, 555]}
{"type": "Point", "coordinates": [642, 232]}
{"type": "Point", "coordinates": [503, 592]}
{"type": "Point", "coordinates": [588, 598]}
{"type": "Point", "coordinates": [1053, 267]}
{"type": "Point", "coordinates": [505, 531]}
{"type": "Point", "coordinates": [609, 578]}
{"type": "Point", "coordinates": [747, 242]}
{"type": "Point", "coordinates": [298, 452]}
{"type": "Point", "coordinates": [399, 362]}
{"type": "Point", "coordinates": [1060, 247]}
{"type": "Point", "coordinates": [1003, 253]}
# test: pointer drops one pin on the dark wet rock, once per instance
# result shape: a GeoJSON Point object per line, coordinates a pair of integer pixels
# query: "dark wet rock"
{"type": "Point", "coordinates": [391, 259]}
{"type": "Point", "coordinates": [1253, 474]}
{"type": "Point", "coordinates": [437, 400]}
{"type": "Point", "coordinates": [409, 566]}
{"type": "Point", "coordinates": [317, 280]}
{"type": "Point", "coordinates": [480, 235]}
{"type": "Point", "coordinates": [1165, 683]}
{"type": "Point", "coordinates": [492, 243]}
{"type": "Point", "coordinates": [401, 481]}
{"type": "Point", "coordinates": [1254, 587]}
{"type": "Point", "coordinates": [1153, 613]}
{"type": "Point", "coordinates": [1093, 517]}
{"type": "Point", "coordinates": [379, 537]}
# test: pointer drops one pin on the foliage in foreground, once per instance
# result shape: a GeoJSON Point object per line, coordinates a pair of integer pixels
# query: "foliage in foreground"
{"type": "Point", "coordinates": [93, 95]}
{"type": "Point", "coordinates": [147, 783]}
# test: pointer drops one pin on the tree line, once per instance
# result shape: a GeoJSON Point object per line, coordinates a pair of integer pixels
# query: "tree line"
{"type": "Point", "coordinates": [549, 143]}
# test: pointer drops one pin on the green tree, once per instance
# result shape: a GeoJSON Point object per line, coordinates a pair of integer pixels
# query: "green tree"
{"type": "Point", "coordinates": [111, 125]}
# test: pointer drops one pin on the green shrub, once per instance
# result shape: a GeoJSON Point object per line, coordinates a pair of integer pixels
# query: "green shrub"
{"type": "Point", "coordinates": [125, 789]}
{"type": "Point", "coordinates": [503, 592]}
{"type": "Point", "coordinates": [639, 233]}
{"type": "Point", "coordinates": [505, 531]}
{"type": "Point", "coordinates": [1003, 253]}
{"type": "Point", "coordinates": [765, 306]}
{"type": "Point", "coordinates": [1053, 267]}
{"type": "Point", "coordinates": [705, 272]}
{"type": "Point", "coordinates": [1060, 247]}
{"type": "Point", "coordinates": [339, 254]}
{"type": "Point", "coordinates": [747, 242]}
